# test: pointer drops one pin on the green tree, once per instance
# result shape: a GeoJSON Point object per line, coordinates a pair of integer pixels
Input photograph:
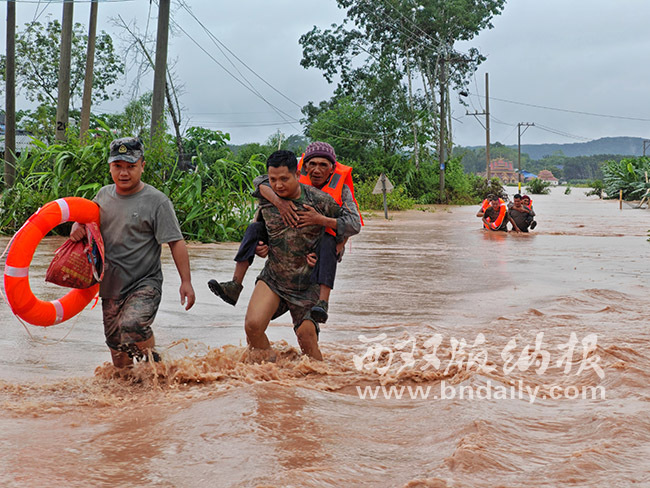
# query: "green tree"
{"type": "Point", "coordinates": [134, 120]}
{"type": "Point", "coordinates": [539, 187]}
{"type": "Point", "coordinates": [628, 175]}
{"type": "Point", "coordinates": [37, 63]}
{"type": "Point", "coordinates": [474, 158]}
{"type": "Point", "coordinates": [39, 122]}
{"type": "Point", "coordinates": [297, 143]}
{"type": "Point", "coordinates": [382, 46]}
{"type": "Point", "coordinates": [209, 144]}
{"type": "Point", "coordinates": [586, 167]}
{"type": "Point", "coordinates": [343, 123]}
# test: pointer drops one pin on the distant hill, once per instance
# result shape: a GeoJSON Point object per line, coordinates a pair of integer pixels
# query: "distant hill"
{"type": "Point", "coordinates": [625, 146]}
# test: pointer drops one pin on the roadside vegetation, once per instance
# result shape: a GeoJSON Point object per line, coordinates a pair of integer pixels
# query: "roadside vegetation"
{"type": "Point", "coordinates": [629, 175]}
{"type": "Point", "coordinates": [385, 116]}
{"type": "Point", "coordinates": [212, 200]}
{"type": "Point", "coordinates": [539, 187]}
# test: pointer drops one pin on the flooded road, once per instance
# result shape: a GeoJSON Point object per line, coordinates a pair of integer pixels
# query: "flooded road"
{"type": "Point", "coordinates": [453, 358]}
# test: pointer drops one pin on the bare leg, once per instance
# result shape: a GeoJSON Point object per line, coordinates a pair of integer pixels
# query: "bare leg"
{"type": "Point", "coordinates": [263, 304]}
{"type": "Point", "coordinates": [308, 340]}
{"type": "Point", "coordinates": [324, 293]}
{"type": "Point", "coordinates": [240, 271]}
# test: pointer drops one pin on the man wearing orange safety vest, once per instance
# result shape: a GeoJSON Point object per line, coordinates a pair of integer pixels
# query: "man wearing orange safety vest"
{"type": "Point", "coordinates": [486, 203]}
{"type": "Point", "coordinates": [496, 217]}
{"type": "Point", "coordinates": [318, 167]}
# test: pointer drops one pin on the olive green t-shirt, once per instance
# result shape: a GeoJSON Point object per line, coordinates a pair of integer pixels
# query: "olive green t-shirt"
{"type": "Point", "coordinates": [133, 228]}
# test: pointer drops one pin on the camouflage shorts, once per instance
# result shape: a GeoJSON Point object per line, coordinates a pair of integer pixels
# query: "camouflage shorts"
{"type": "Point", "coordinates": [298, 306]}
{"type": "Point", "coordinates": [128, 320]}
{"type": "Point", "coordinates": [298, 314]}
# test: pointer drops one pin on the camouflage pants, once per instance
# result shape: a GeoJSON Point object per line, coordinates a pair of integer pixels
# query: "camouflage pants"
{"type": "Point", "coordinates": [128, 320]}
{"type": "Point", "coordinates": [299, 308]}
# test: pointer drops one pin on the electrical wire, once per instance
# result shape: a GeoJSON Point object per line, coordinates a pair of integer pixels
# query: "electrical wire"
{"type": "Point", "coordinates": [75, 1]}
{"type": "Point", "coordinates": [277, 109]}
{"type": "Point", "coordinates": [561, 133]}
{"type": "Point", "coordinates": [592, 114]}
{"type": "Point", "coordinates": [215, 39]}
{"type": "Point", "coordinates": [424, 33]}
{"type": "Point", "coordinates": [36, 17]}
{"type": "Point", "coordinates": [218, 43]}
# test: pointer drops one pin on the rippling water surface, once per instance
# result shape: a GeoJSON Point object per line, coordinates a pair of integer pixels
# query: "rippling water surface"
{"type": "Point", "coordinates": [453, 358]}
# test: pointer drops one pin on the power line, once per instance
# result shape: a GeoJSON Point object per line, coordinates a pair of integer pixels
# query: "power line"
{"type": "Point", "coordinates": [561, 133]}
{"type": "Point", "coordinates": [242, 124]}
{"type": "Point", "coordinates": [218, 45]}
{"type": "Point", "coordinates": [424, 33]}
{"type": "Point", "coordinates": [216, 40]}
{"type": "Point", "coordinates": [278, 110]}
{"type": "Point", "coordinates": [638, 119]}
{"type": "Point", "coordinates": [36, 17]}
{"type": "Point", "coordinates": [229, 113]}
{"type": "Point", "coordinates": [66, 1]}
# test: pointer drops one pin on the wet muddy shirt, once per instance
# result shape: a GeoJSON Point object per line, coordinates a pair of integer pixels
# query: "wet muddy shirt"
{"type": "Point", "coordinates": [286, 270]}
{"type": "Point", "coordinates": [494, 215]}
{"type": "Point", "coordinates": [519, 216]}
{"type": "Point", "coordinates": [133, 228]}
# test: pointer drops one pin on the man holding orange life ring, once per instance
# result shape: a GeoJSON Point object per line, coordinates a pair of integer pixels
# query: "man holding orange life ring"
{"type": "Point", "coordinates": [496, 216]}
{"type": "Point", "coordinates": [135, 220]}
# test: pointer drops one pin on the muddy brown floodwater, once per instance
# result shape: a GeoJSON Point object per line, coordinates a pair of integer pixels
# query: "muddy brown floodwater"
{"type": "Point", "coordinates": [453, 358]}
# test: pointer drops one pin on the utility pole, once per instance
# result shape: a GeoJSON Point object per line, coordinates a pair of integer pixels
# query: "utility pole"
{"type": "Point", "coordinates": [486, 112]}
{"type": "Point", "coordinates": [160, 69]}
{"type": "Point", "coordinates": [519, 126]}
{"type": "Point", "coordinates": [10, 97]}
{"type": "Point", "coordinates": [442, 144]}
{"type": "Point", "coordinates": [88, 78]}
{"type": "Point", "coordinates": [63, 103]}
{"type": "Point", "coordinates": [487, 129]}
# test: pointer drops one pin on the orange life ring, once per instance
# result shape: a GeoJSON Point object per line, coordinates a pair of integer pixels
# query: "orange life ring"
{"type": "Point", "coordinates": [16, 275]}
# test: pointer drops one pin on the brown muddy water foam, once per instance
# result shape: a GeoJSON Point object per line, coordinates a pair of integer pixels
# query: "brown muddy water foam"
{"type": "Point", "coordinates": [453, 358]}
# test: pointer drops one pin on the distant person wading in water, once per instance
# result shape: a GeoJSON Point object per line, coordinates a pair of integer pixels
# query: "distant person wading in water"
{"type": "Point", "coordinates": [496, 216]}
{"type": "Point", "coordinates": [521, 214]}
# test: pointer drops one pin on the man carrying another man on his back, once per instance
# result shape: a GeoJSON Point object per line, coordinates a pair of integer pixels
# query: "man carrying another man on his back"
{"type": "Point", "coordinates": [521, 214]}
{"type": "Point", "coordinates": [320, 169]}
{"type": "Point", "coordinates": [284, 284]}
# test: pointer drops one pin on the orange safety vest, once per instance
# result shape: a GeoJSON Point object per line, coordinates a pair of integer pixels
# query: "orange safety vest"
{"type": "Point", "coordinates": [497, 223]}
{"type": "Point", "coordinates": [342, 175]}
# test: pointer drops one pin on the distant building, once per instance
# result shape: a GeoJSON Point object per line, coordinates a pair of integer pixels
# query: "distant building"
{"type": "Point", "coordinates": [527, 176]}
{"type": "Point", "coordinates": [546, 175]}
{"type": "Point", "coordinates": [502, 169]}
{"type": "Point", "coordinates": [23, 138]}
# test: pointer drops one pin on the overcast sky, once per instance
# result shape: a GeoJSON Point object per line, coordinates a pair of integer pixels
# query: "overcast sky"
{"type": "Point", "coordinates": [587, 56]}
